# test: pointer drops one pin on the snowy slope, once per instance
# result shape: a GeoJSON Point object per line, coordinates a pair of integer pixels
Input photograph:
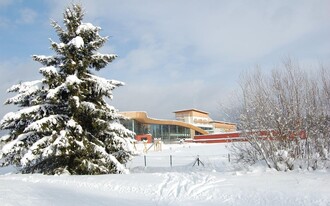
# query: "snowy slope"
{"type": "Point", "coordinates": [218, 183]}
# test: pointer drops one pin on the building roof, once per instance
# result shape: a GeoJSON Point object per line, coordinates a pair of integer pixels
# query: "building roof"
{"type": "Point", "coordinates": [143, 118]}
{"type": "Point", "coordinates": [189, 110]}
{"type": "Point", "coordinates": [222, 122]}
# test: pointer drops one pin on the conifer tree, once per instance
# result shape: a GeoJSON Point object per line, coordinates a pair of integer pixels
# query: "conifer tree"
{"type": "Point", "coordinates": [64, 124]}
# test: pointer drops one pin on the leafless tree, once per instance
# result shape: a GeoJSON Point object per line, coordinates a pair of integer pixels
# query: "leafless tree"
{"type": "Point", "coordinates": [285, 118]}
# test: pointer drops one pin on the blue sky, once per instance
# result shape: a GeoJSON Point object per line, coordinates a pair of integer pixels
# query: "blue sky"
{"type": "Point", "coordinates": [172, 54]}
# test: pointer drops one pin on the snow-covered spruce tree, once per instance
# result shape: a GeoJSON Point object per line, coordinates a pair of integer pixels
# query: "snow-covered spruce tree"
{"type": "Point", "coordinates": [64, 124]}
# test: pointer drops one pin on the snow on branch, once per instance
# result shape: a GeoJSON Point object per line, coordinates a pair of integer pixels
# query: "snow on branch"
{"type": "Point", "coordinates": [77, 42]}
{"type": "Point", "coordinates": [49, 70]}
{"type": "Point", "coordinates": [4, 138]}
{"type": "Point", "coordinates": [16, 142]}
{"type": "Point", "coordinates": [92, 166]}
{"type": "Point", "coordinates": [56, 148]}
{"type": "Point", "coordinates": [109, 157]}
{"type": "Point", "coordinates": [88, 105]}
{"type": "Point", "coordinates": [58, 47]}
{"type": "Point", "coordinates": [24, 86]}
{"type": "Point", "coordinates": [115, 112]}
{"type": "Point", "coordinates": [11, 117]}
{"type": "Point", "coordinates": [109, 57]}
{"type": "Point", "coordinates": [72, 79]}
{"type": "Point", "coordinates": [46, 60]}
{"type": "Point", "coordinates": [99, 61]}
{"type": "Point", "coordinates": [73, 124]}
{"type": "Point", "coordinates": [87, 27]}
{"type": "Point", "coordinates": [25, 90]}
{"type": "Point", "coordinates": [118, 127]}
{"type": "Point", "coordinates": [50, 120]}
{"type": "Point", "coordinates": [30, 156]}
{"type": "Point", "coordinates": [104, 86]}
{"type": "Point", "coordinates": [53, 92]}
{"type": "Point", "coordinates": [25, 95]}
{"type": "Point", "coordinates": [97, 43]}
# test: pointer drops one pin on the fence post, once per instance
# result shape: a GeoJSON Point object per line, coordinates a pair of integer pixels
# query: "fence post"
{"type": "Point", "coordinates": [228, 157]}
{"type": "Point", "coordinates": [198, 161]}
{"type": "Point", "coordinates": [171, 161]}
{"type": "Point", "coordinates": [145, 161]}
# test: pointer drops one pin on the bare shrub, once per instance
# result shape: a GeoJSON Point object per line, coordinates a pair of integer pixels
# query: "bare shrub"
{"type": "Point", "coordinates": [285, 118]}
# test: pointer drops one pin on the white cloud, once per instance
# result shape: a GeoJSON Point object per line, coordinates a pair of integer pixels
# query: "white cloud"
{"type": "Point", "coordinates": [181, 54]}
{"type": "Point", "coordinates": [27, 16]}
{"type": "Point", "coordinates": [159, 99]}
{"type": "Point", "coordinates": [234, 31]}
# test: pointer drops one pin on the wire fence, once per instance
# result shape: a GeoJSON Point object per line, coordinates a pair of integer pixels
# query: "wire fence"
{"type": "Point", "coordinates": [170, 161]}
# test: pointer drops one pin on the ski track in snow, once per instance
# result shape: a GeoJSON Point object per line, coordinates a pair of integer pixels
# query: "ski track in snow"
{"type": "Point", "coordinates": [170, 188]}
{"type": "Point", "coordinates": [194, 186]}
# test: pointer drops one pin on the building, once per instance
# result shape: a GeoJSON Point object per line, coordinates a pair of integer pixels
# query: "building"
{"type": "Point", "coordinates": [202, 120]}
{"type": "Point", "coordinates": [188, 124]}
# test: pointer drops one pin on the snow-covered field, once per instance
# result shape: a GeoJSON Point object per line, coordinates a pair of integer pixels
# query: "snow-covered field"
{"type": "Point", "coordinates": [218, 182]}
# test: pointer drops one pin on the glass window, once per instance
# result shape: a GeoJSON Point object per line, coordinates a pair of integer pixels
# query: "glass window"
{"type": "Point", "coordinates": [155, 130]}
{"type": "Point", "coordinates": [167, 133]}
